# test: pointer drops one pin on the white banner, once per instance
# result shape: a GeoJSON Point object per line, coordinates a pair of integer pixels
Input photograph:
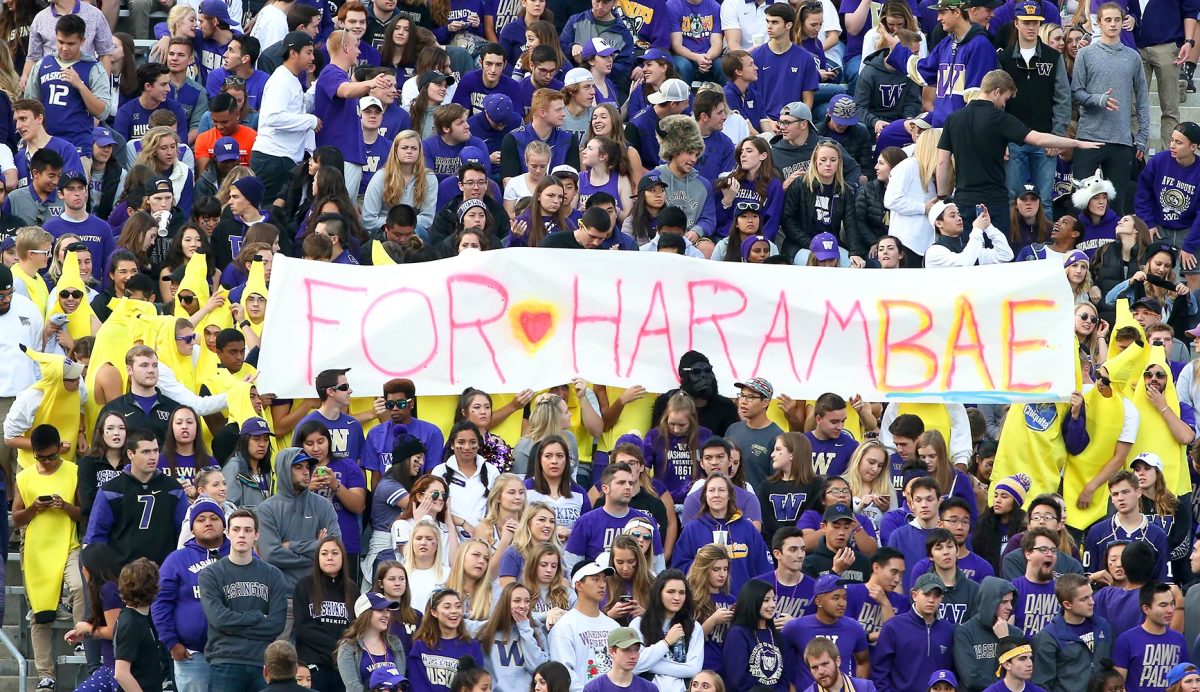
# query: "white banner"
{"type": "Point", "coordinates": [521, 318]}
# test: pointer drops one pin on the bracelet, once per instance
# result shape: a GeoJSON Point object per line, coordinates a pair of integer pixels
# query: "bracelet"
{"type": "Point", "coordinates": [1190, 42]}
{"type": "Point", "coordinates": [1163, 409]}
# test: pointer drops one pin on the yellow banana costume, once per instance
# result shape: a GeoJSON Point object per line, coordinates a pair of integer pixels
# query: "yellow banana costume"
{"type": "Point", "coordinates": [59, 407]}
{"type": "Point", "coordinates": [119, 333]}
{"type": "Point", "coordinates": [34, 286]}
{"type": "Point", "coordinates": [79, 322]}
{"type": "Point", "coordinates": [50, 536]}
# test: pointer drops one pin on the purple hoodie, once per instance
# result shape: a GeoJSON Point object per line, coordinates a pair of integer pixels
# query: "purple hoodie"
{"type": "Point", "coordinates": [1097, 234]}
{"type": "Point", "coordinates": [176, 610]}
{"type": "Point", "coordinates": [909, 651]}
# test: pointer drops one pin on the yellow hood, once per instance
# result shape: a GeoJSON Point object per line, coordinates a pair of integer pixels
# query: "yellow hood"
{"type": "Point", "coordinates": [79, 323]}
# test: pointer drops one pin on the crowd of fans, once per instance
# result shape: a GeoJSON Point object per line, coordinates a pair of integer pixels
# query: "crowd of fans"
{"type": "Point", "coordinates": [199, 534]}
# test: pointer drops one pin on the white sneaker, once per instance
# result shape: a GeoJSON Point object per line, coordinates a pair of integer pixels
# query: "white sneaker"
{"type": "Point", "coordinates": [46, 684]}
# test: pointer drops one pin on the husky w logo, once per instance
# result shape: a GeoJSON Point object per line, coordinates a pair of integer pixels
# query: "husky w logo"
{"type": "Point", "coordinates": [340, 437]}
{"type": "Point", "coordinates": [953, 612]}
{"type": "Point", "coordinates": [1044, 68]}
{"type": "Point", "coordinates": [889, 95]}
{"type": "Point", "coordinates": [949, 79]}
{"type": "Point", "coordinates": [510, 654]}
{"type": "Point", "coordinates": [787, 506]}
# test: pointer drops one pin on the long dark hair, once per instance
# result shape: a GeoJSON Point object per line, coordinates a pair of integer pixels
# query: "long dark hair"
{"type": "Point", "coordinates": [399, 470]}
{"type": "Point", "coordinates": [102, 566]}
{"type": "Point", "coordinates": [555, 675]}
{"type": "Point", "coordinates": [537, 228]}
{"type": "Point", "coordinates": [540, 483]}
{"type": "Point", "coordinates": [265, 467]}
{"type": "Point", "coordinates": [175, 258]}
{"type": "Point", "coordinates": [353, 238]}
{"type": "Point", "coordinates": [405, 614]}
{"type": "Point", "coordinates": [654, 621]}
{"type": "Point", "coordinates": [128, 83]}
{"type": "Point", "coordinates": [749, 603]}
{"type": "Point", "coordinates": [501, 625]}
{"type": "Point", "coordinates": [462, 426]}
{"type": "Point", "coordinates": [766, 170]}
{"type": "Point", "coordinates": [316, 596]}
{"type": "Point", "coordinates": [97, 448]}
{"type": "Point", "coordinates": [200, 456]}
{"type": "Point", "coordinates": [310, 427]}
{"type": "Point", "coordinates": [644, 222]}
{"type": "Point", "coordinates": [985, 539]}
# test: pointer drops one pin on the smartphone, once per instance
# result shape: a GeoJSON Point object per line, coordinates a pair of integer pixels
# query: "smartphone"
{"type": "Point", "coordinates": [321, 470]}
{"type": "Point", "coordinates": [45, 498]}
{"type": "Point", "coordinates": [625, 598]}
{"type": "Point", "coordinates": [978, 210]}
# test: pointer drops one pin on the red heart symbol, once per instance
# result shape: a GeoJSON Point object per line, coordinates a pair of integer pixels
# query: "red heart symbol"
{"type": "Point", "coordinates": [536, 324]}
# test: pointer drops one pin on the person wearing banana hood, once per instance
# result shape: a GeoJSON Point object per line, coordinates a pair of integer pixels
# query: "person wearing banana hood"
{"type": "Point", "coordinates": [680, 145]}
{"type": "Point", "coordinates": [291, 520]}
{"type": "Point", "coordinates": [976, 643]}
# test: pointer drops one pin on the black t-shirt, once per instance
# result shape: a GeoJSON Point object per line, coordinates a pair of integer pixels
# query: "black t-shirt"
{"type": "Point", "coordinates": [978, 135]}
{"type": "Point", "coordinates": [562, 239]}
{"type": "Point", "coordinates": [135, 641]}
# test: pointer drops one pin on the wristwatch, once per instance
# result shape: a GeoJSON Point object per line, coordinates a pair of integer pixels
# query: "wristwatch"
{"type": "Point", "coordinates": [1190, 41]}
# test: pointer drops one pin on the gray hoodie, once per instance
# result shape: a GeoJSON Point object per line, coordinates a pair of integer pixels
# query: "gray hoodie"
{"type": "Point", "coordinates": [975, 643]}
{"type": "Point", "coordinates": [1100, 67]}
{"type": "Point", "coordinates": [789, 158]}
{"type": "Point", "coordinates": [349, 661]}
{"type": "Point", "coordinates": [246, 607]}
{"type": "Point", "coordinates": [693, 194]}
{"type": "Point", "coordinates": [294, 518]}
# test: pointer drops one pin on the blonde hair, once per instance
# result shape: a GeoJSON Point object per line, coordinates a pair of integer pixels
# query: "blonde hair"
{"type": "Point", "coordinates": [882, 485]}
{"type": "Point", "coordinates": [477, 596]}
{"type": "Point", "coordinates": [523, 540]}
{"type": "Point", "coordinates": [926, 154]}
{"type": "Point", "coordinates": [545, 419]}
{"type": "Point", "coordinates": [150, 143]}
{"type": "Point", "coordinates": [492, 516]}
{"type": "Point", "coordinates": [235, 174]}
{"type": "Point", "coordinates": [640, 584]}
{"type": "Point", "coordinates": [556, 594]}
{"type": "Point", "coordinates": [810, 176]}
{"type": "Point", "coordinates": [61, 241]}
{"type": "Point", "coordinates": [410, 556]}
{"type": "Point", "coordinates": [30, 238]}
{"type": "Point", "coordinates": [175, 16]}
{"type": "Point", "coordinates": [945, 472]}
{"type": "Point", "coordinates": [394, 180]}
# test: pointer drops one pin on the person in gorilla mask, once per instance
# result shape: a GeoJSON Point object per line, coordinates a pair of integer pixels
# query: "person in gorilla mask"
{"type": "Point", "coordinates": [697, 379]}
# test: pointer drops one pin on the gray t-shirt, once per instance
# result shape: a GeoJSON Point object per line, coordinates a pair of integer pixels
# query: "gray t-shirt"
{"type": "Point", "coordinates": [756, 446]}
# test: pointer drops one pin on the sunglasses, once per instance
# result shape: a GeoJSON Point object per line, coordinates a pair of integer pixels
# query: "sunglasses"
{"type": "Point", "coordinates": [1090, 318]}
{"type": "Point", "coordinates": [69, 293]}
{"type": "Point", "coordinates": [77, 247]}
{"type": "Point", "coordinates": [343, 387]}
{"type": "Point", "coordinates": [187, 300]}
{"type": "Point", "coordinates": [43, 458]}
{"type": "Point", "coordinates": [436, 495]}
{"type": "Point", "coordinates": [1155, 374]}
{"type": "Point", "coordinates": [1104, 381]}
{"type": "Point", "coordinates": [40, 252]}
{"type": "Point", "coordinates": [399, 403]}
{"type": "Point", "coordinates": [190, 338]}
{"type": "Point", "coordinates": [641, 536]}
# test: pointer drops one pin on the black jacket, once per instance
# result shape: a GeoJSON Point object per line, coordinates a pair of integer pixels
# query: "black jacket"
{"type": "Point", "coordinates": [820, 561]}
{"type": "Point", "coordinates": [158, 422]}
{"type": "Point", "coordinates": [856, 140]}
{"type": "Point", "coordinates": [446, 221]}
{"type": "Point", "coordinates": [1110, 269]}
{"type": "Point", "coordinates": [871, 218]}
{"type": "Point", "coordinates": [319, 626]}
{"type": "Point", "coordinates": [800, 218]}
{"type": "Point", "coordinates": [110, 188]}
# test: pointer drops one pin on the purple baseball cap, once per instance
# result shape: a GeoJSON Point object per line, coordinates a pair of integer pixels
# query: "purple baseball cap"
{"type": "Point", "coordinates": [498, 107]}
{"type": "Point", "coordinates": [654, 54]}
{"type": "Point", "coordinates": [218, 10]}
{"type": "Point", "coordinates": [825, 246]}
{"type": "Point", "coordinates": [843, 111]}
{"type": "Point", "coordinates": [103, 136]}
{"type": "Point", "coordinates": [226, 149]}
{"type": "Point", "coordinates": [473, 154]}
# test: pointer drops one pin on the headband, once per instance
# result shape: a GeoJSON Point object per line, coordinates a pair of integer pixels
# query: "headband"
{"type": "Point", "coordinates": [1010, 655]}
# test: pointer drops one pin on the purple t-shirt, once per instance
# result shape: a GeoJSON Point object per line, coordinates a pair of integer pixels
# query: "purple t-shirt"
{"type": "Point", "coordinates": [349, 475]}
{"type": "Point", "coordinates": [1120, 607]}
{"type": "Point", "coordinates": [832, 457]}
{"type": "Point", "coordinates": [795, 600]}
{"type": "Point", "coordinates": [603, 684]}
{"type": "Point", "coordinates": [783, 78]}
{"type": "Point", "coordinates": [714, 642]}
{"type": "Point", "coordinates": [595, 531]}
{"type": "Point", "coordinates": [674, 465]}
{"type": "Point", "coordinates": [1148, 657]}
{"type": "Point", "coordinates": [432, 670]}
{"type": "Point", "coordinates": [92, 231]}
{"type": "Point", "coordinates": [369, 664]}
{"type": "Point", "coordinates": [867, 611]}
{"type": "Point", "coordinates": [847, 634]}
{"type": "Point", "coordinates": [340, 124]}
{"type": "Point", "coordinates": [512, 563]}
{"type": "Point", "coordinates": [110, 599]}
{"type": "Point", "coordinates": [1034, 605]}
{"type": "Point", "coordinates": [973, 567]}
{"type": "Point", "coordinates": [345, 433]}
{"type": "Point", "coordinates": [696, 21]}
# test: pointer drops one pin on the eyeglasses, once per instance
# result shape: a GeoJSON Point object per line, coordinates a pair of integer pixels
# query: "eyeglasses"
{"type": "Point", "coordinates": [474, 183]}
{"type": "Point", "coordinates": [957, 522]}
{"type": "Point", "coordinates": [398, 403]}
{"type": "Point", "coordinates": [1043, 517]}
{"type": "Point", "coordinates": [343, 387]}
{"type": "Point", "coordinates": [545, 70]}
{"type": "Point", "coordinates": [190, 338]}
{"type": "Point", "coordinates": [1046, 550]}
{"type": "Point", "coordinates": [68, 293]}
{"type": "Point", "coordinates": [751, 397]}
{"type": "Point", "coordinates": [785, 123]}
{"type": "Point", "coordinates": [40, 252]}
{"type": "Point", "coordinates": [837, 491]}
{"type": "Point", "coordinates": [748, 206]}
{"type": "Point", "coordinates": [43, 458]}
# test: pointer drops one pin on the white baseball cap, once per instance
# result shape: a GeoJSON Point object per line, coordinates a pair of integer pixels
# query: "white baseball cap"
{"type": "Point", "coordinates": [578, 75]}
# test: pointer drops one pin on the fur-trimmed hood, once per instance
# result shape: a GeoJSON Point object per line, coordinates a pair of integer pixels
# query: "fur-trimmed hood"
{"type": "Point", "coordinates": [1088, 188]}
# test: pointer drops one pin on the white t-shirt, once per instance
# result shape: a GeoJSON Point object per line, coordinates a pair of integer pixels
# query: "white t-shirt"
{"type": "Point", "coordinates": [469, 495]}
{"type": "Point", "coordinates": [517, 189]}
{"type": "Point", "coordinates": [421, 585]}
{"type": "Point", "coordinates": [270, 26]}
{"type": "Point", "coordinates": [22, 324]}
{"type": "Point", "coordinates": [581, 643]}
